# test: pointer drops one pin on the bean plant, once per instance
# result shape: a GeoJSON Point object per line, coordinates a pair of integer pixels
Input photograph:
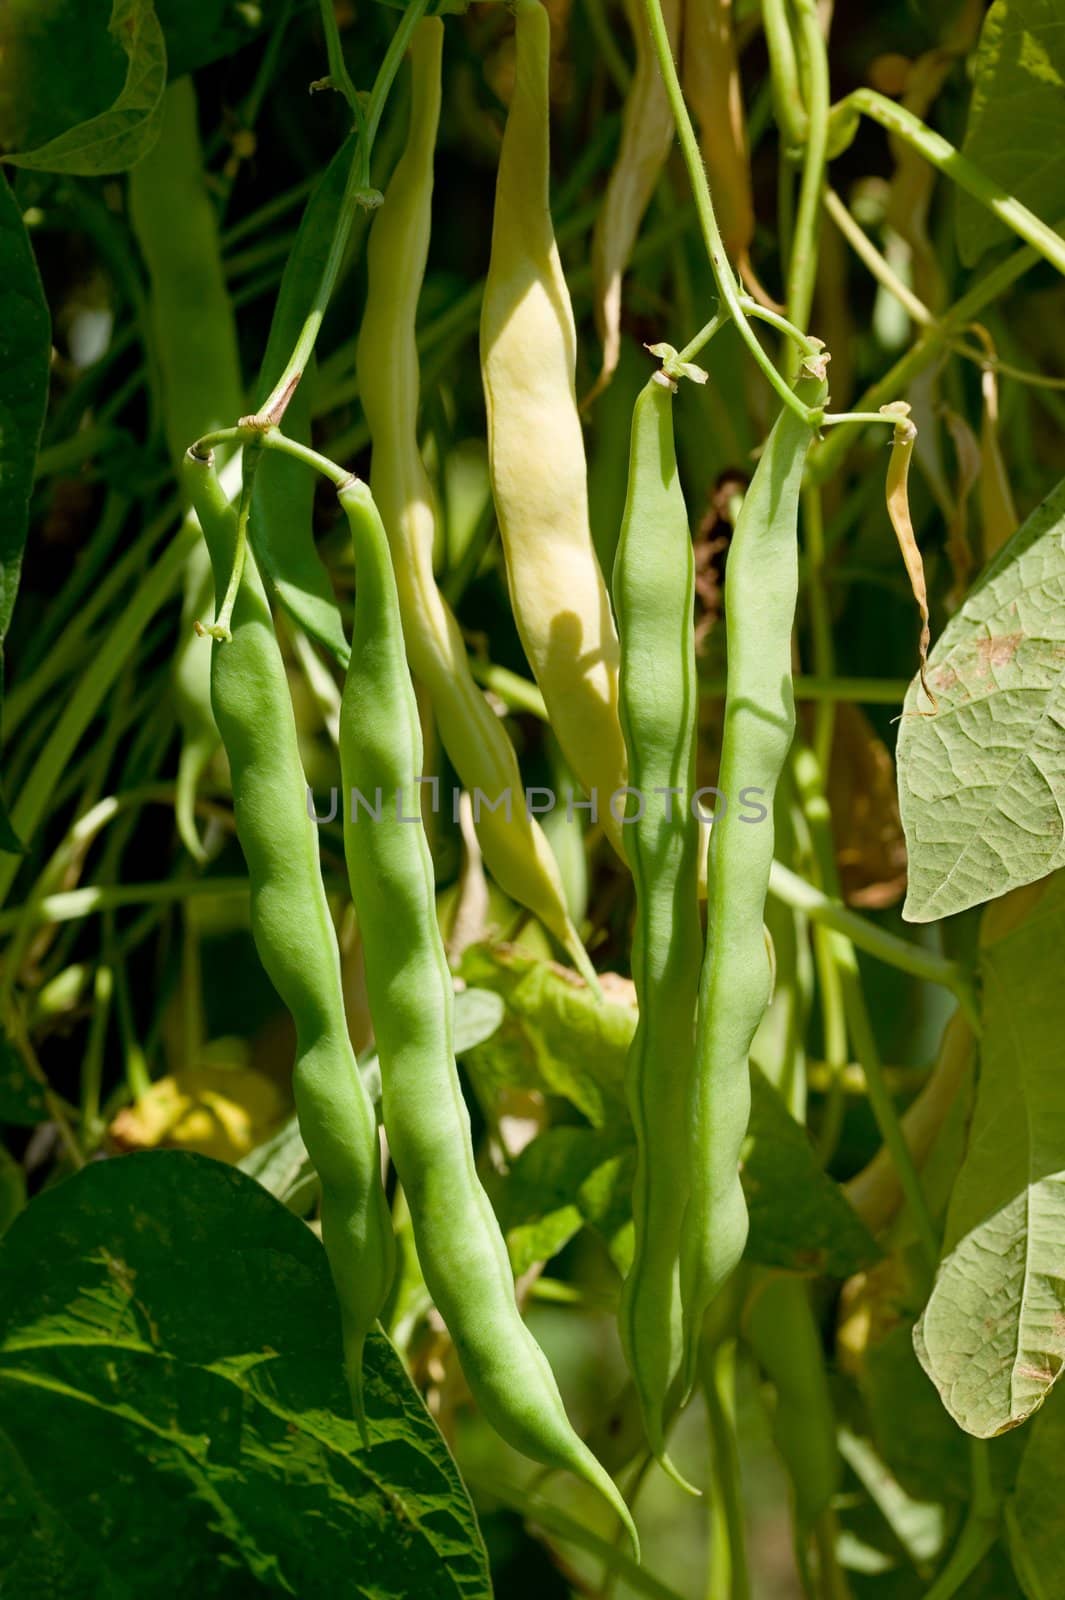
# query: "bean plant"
{"type": "Point", "coordinates": [532, 872]}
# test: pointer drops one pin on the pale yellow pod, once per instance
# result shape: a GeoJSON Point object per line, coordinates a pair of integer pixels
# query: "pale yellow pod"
{"type": "Point", "coordinates": [515, 848]}
{"type": "Point", "coordinates": [536, 448]}
{"type": "Point", "coordinates": [647, 133]}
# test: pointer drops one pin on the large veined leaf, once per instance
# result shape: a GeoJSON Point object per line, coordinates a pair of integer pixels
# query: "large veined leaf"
{"type": "Point", "coordinates": [173, 1414]}
{"type": "Point", "coordinates": [992, 1337]}
{"type": "Point", "coordinates": [114, 139]}
{"type": "Point", "coordinates": [982, 781]}
{"type": "Point", "coordinates": [1016, 129]}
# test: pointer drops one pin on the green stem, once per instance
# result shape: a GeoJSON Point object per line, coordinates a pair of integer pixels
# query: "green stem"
{"type": "Point", "coordinates": [946, 159]}
{"type": "Point", "coordinates": [802, 266]}
{"type": "Point", "coordinates": [825, 458]}
{"type": "Point", "coordinates": [340, 80]}
{"type": "Point", "coordinates": [980, 1530]}
{"type": "Point", "coordinates": [728, 1577]}
{"type": "Point", "coordinates": [724, 276]}
{"type": "Point", "coordinates": [784, 73]}
{"type": "Point", "coordinates": [357, 192]}
{"type": "Point", "coordinates": [794, 891]}
{"type": "Point", "coordinates": [881, 269]}
{"type": "Point", "coordinates": [613, 60]}
{"type": "Point", "coordinates": [73, 904]}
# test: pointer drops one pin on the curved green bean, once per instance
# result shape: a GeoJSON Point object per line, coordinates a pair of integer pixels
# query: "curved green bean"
{"type": "Point", "coordinates": [654, 590]}
{"type": "Point", "coordinates": [293, 930]}
{"type": "Point", "coordinates": [761, 585]}
{"type": "Point", "coordinates": [459, 1243]}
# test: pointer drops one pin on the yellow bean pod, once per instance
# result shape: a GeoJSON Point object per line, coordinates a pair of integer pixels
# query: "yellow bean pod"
{"type": "Point", "coordinates": [536, 449]}
{"type": "Point", "coordinates": [646, 136]}
{"type": "Point", "coordinates": [515, 848]}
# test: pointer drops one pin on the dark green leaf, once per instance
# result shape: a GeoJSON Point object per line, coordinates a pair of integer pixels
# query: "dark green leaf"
{"type": "Point", "coordinates": [114, 139]}
{"type": "Point", "coordinates": [175, 1419]}
{"type": "Point", "coordinates": [1034, 1523]}
{"type": "Point", "coordinates": [25, 338]}
{"type": "Point", "coordinates": [1016, 130]}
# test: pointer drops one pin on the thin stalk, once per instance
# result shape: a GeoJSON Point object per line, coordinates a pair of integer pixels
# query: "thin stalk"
{"type": "Point", "coordinates": [724, 276]}
{"type": "Point", "coordinates": [802, 265]}
{"type": "Point", "coordinates": [878, 265]}
{"type": "Point", "coordinates": [357, 192]}
{"type": "Point", "coordinates": [613, 60]}
{"type": "Point", "coordinates": [74, 904]}
{"type": "Point", "coordinates": [788, 104]}
{"type": "Point", "coordinates": [825, 458]}
{"type": "Point", "coordinates": [980, 1530]}
{"type": "Point", "coordinates": [791, 890]}
{"type": "Point", "coordinates": [950, 161]}
{"type": "Point", "coordinates": [728, 1577]}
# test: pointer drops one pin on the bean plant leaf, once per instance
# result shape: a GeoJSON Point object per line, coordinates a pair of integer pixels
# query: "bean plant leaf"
{"type": "Point", "coordinates": [982, 780]}
{"type": "Point", "coordinates": [558, 1038]}
{"type": "Point", "coordinates": [992, 1337]}
{"type": "Point", "coordinates": [175, 1328]}
{"type": "Point", "coordinates": [1034, 1525]}
{"type": "Point", "coordinates": [1016, 130]}
{"type": "Point", "coordinates": [114, 140]}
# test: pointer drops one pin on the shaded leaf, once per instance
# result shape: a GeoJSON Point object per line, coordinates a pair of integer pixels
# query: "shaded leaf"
{"type": "Point", "coordinates": [115, 140]}
{"type": "Point", "coordinates": [1016, 130]}
{"type": "Point", "coordinates": [176, 1329]}
{"type": "Point", "coordinates": [1034, 1524]}
{"type": "Point", "coordinates": [982, 782]}
{"type": "Point", "coordinates": [992, 1337]}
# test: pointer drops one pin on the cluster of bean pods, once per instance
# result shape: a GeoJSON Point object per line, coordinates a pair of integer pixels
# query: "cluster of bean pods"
{"type": "Point", "coordinates": [619, 684]}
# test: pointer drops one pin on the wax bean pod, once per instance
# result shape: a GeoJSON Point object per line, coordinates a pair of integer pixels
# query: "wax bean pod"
{"type": "Point", "coordinates": [515, 849]}
{"type": "Point", "coordinates": [459, 1243]}
{"type": "Point", "coordinates": [646, 136]}
{"type": "Point", "coordinates": [293, 930]}
{"type": "Point", "coordinates": [761, 585]}
{"type": "Point", "coordinates": [654, 587]}
{"type": "Point", "coordinates": [196, 348]}
{"type": "Point", "coordinates": [536, 449]}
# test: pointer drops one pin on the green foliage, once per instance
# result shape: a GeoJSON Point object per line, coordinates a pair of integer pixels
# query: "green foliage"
{"type": "Point", "coordinates": [175, 1415]}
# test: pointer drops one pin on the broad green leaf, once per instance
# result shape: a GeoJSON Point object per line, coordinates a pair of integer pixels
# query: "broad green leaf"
{"type": "Point", "coordinates": [992, 1337]}
{"type": "Point", "coordinates": [558, 1039]}
{"type": "Point", "coordinates": [174, 1414]}
{"type": "Point", "coordinates": [114, 140]}
{"type": "Point", "coordinates": [1034, 1523]}
{"type": "Point", "coordinates": [22, 1098]}
{"type": "Point", "coordinates": [982, 780]}
{"type": "Point", "coordinates": [1016, 130]}
{"type": "Point", "coordinates": [557, 1036]}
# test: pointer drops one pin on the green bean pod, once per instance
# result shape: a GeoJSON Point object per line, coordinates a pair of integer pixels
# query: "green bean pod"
{"type": "Point", "coordinates": [515, 848]}
{"type": "Point", "coordinates": [761, 587]}
{"type": "Point", "coordinates": [654, 597]}
{"type": "Point", "coordinates": [459, 1243]}
{"type": "Point", "coordinates": [294, 933]}
{"type": "Point", "coordinates": [196, 344]}
{"type": "Point", "coordinates": [536, 447]}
